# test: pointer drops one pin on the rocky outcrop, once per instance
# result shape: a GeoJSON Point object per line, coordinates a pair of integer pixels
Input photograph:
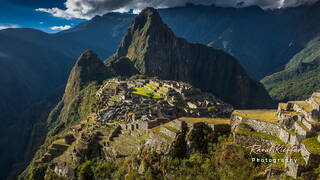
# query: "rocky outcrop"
{"type": "Point", "coordinates": [155, 51]}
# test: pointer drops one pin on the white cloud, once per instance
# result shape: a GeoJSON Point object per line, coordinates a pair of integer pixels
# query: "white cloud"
{"type": "Point", "coordinates": [8, 26]}
{"type": "Point", "coordinates": [86, 9]}
{"type": "Point", "coordinates": [66, 27]}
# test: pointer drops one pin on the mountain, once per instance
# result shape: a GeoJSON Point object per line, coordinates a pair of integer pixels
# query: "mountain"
{"type": "Point", "coordinates": [91, 94]}
{"type": "Point", "coordinates": [33, 64]}
{"type": "Point", "coordinates": [78, 99]}
{"type": "Point", "coordinates": [262, 41]}
{"type": "Point", "coordinates": [153, 125]}
{"type": "Point", "coordinates": [154, 50]}
{"type": "Point", "coordinates": [279, 33]}
{"type": "Point", "coordinates": [300, 78]}
{"type": "Point", "coordinates": [87, 69]}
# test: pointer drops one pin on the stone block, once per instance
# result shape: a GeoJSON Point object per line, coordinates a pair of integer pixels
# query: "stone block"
{"type": "Point", "coordinates": [306, 123]}
{"type": "Point", "coordinates": [294, 140]}
{"type": "Point", "coordinates": [177, 124]}
{"type": "Point", "coordinates": [284, 136]}
{"type": "Point", "coordinates": [294, 170]}
{"type": "Point", "coordinates": [300, 130]}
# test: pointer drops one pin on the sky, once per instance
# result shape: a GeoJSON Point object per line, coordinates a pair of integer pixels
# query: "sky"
{"type": "Point", "coordinates": [56, 15]}
{"type": "Point", "coordinates": [22, 13]}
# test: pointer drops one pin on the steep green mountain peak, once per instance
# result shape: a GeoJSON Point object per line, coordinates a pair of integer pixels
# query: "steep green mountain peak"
{"type": "Point", "coordinates": [88, 68]}
{"type": "Point", "coordinates": [155, 51]}
{"type": "Point", "coordinates": [145, 29]}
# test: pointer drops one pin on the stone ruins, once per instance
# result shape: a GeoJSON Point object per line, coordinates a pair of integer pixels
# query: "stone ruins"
{"type": "Point", "coordinates": [293, 124]}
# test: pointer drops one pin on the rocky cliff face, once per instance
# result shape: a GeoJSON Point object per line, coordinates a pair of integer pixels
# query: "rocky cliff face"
{"type": "Point", "coordinates": [155, 51]}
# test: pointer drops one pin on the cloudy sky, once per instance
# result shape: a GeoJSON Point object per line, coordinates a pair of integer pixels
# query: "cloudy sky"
{"type": "Point", "coordinates": [57, 15]}
{"type": "Point", "coordinates": [86, 9]}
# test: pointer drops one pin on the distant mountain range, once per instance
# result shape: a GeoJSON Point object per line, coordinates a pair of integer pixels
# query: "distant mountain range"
{"type": "Point", "coordinates": [34, 64]}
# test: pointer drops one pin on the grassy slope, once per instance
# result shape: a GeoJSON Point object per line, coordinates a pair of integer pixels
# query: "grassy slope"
{"type": "Point", "coordinates": [76, 111]}
{"type": "Point", "coordinates": [300, 77]}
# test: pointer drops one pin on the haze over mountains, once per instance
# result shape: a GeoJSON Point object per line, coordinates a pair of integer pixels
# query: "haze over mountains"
{"type": "Point", "coordinates": [33, 64]}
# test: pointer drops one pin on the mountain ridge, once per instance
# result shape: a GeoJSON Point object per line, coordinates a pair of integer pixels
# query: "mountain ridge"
{"type": "Point", "coordinates": [155, 51]}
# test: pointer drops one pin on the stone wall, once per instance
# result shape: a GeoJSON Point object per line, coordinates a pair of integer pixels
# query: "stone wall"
{"type": "Point", "coordinates": [300, 131]}
{"type": "Point", "coordinates": [314, 104]}
{"type": "Point", "coordinates": [311, 159]}
{"type": "Point", "coordinates": [284, 136]}
{"type": "Point", "coordinates": [299, 109]}
{"type": "Point", "coordinates": [247, 140]}
{"type": "Point", "coordinates": [294, 170]}
{"type": "Point", "coordinates": [158, 143]}
{"type": "Point", "coordinates": [258, 126]}
{"type": "Point", "coordinates": [178, 124]}
{"type": "Point", "coordinates": [294, 140]}
{"type": "Point", "coordinates": [168, 132]}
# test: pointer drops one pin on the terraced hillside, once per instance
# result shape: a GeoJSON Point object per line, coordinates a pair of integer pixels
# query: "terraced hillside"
{"type": "Point", "coordinates": [129, 116]}
{"type": "Point", "coordinates": [294, 127]}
